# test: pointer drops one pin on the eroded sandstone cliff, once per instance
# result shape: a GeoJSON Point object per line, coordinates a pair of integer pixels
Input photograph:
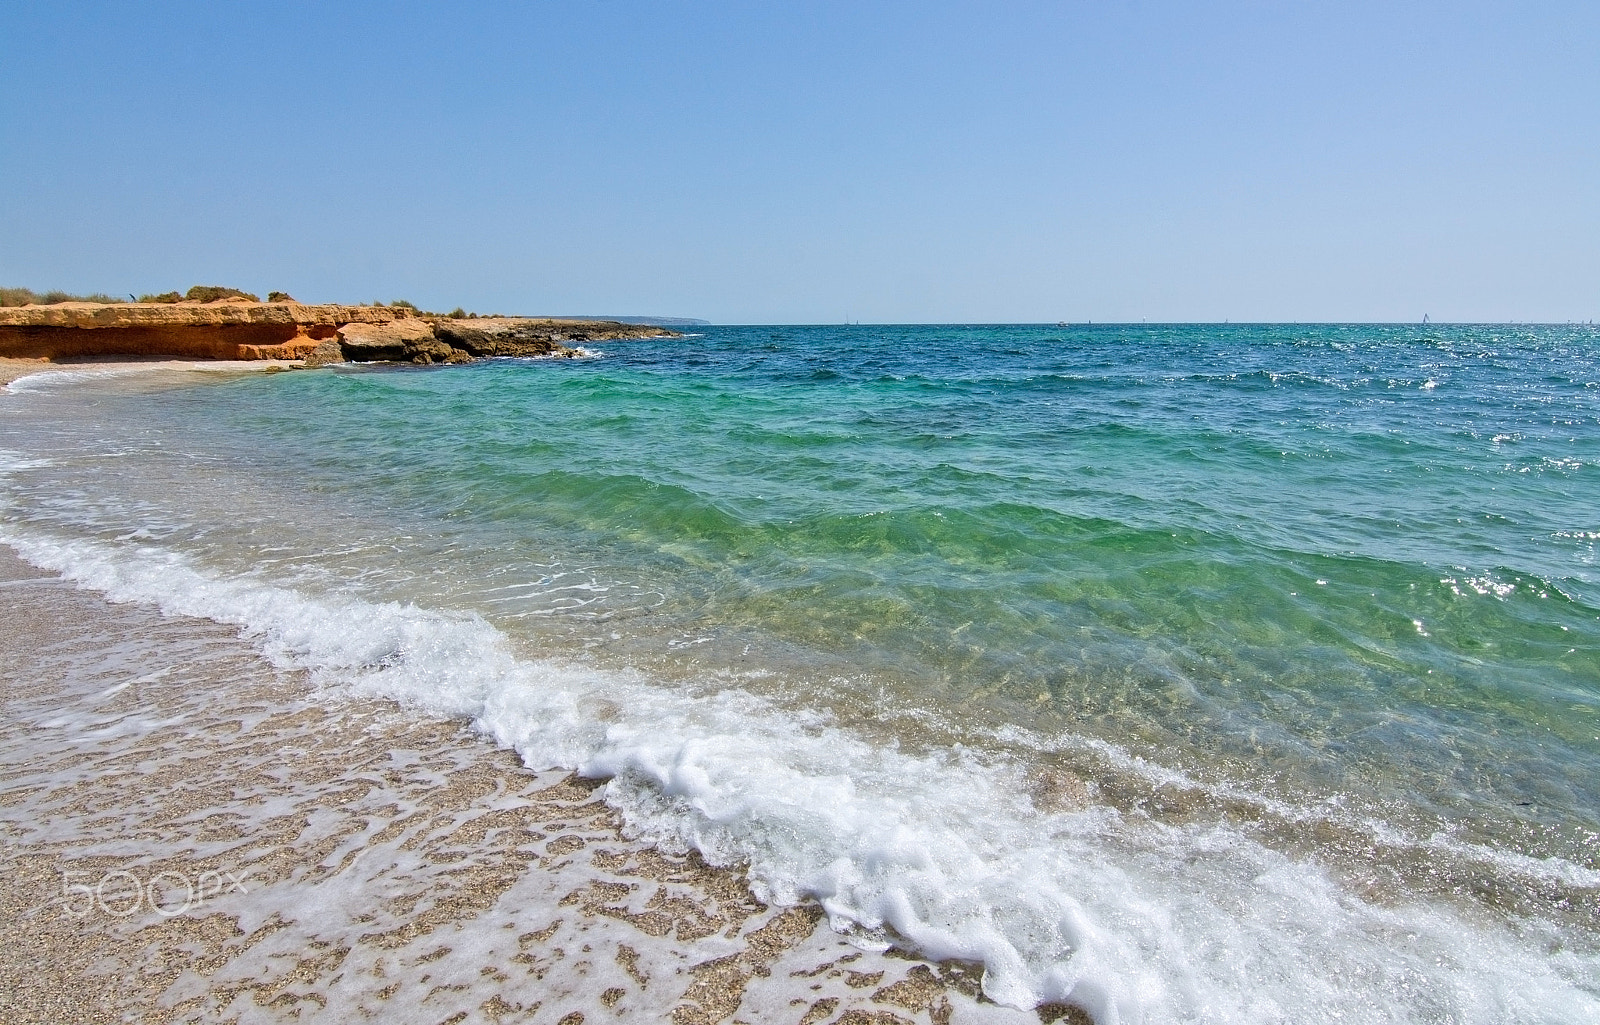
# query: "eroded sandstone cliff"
{"type": "Point", "coordinates": [217, 330]}
{"type": "Point", "coordinates": [234, 329]}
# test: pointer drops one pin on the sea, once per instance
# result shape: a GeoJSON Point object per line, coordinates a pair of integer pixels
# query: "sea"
{"type": "Point", "coordinates": [1183, 673]}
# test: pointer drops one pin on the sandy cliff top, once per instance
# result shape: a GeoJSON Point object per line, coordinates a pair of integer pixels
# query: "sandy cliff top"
{"type": "Point", "coordinates": [215, 314]}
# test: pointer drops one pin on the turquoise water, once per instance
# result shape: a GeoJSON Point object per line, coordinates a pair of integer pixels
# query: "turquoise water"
{"type": "Point", "coordinates": [1331, 590]}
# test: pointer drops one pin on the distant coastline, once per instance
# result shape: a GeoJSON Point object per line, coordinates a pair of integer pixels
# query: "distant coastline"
{"type": "Point", "coordinates": [642, 320]}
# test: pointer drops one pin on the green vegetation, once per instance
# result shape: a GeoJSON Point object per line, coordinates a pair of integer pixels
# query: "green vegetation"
{"type": "Point", "coordinates": [200, 294]}
{"type": "Point", "coordinates": [27, 296]}
{"type": "Point", "coordinates": [203, 294]}
{"type": "Point", "coordinates": [456, 314]}
{"type": "Point", "coordinates": [211, 293]}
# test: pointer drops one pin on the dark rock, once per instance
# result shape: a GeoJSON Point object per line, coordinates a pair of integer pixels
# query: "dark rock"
{"type": "Point", "coordinates": [327, 351]}
{"type": "Point", "coordinates": [409, 340]}
{"type": "Point", "coordinates": [413, 339]}
{"type": "Point", "coordinates": [499, 337]}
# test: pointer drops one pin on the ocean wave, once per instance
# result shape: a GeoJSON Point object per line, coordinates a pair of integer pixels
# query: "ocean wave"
{"type": "Point", "coordinates": [12, 461]}
{"type": "Point", "coordinates": [52, 380]}
{"type": "Point", "coordinates": [942, 852]}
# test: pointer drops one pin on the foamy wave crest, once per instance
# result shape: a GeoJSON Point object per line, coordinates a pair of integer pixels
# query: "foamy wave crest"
{"type": "Point", "coordinates": [12, 461]}
{"type": "Point", "coordinates": [1133, 921]}
{"type": "Point", "coordinates": [53, 380]}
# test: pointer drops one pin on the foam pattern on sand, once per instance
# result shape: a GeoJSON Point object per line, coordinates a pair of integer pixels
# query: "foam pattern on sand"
{"type": "Point", "coordinates": [187, 838]}
{"type": "Point", "coordinates": [944, 854]}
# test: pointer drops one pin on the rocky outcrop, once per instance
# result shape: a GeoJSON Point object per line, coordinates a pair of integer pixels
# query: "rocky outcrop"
{"type": "Point", "coordinates": [327, 351]}
{"type": "Point", "coordinates": [236, 329]}
{"type": "Point", "coordinates": [443, 340]}
{"type": "Point", "coordinates": [228, 329]}
{"type": "Point", "coordinates": [522, 336]}
{"type": "Point", "coordinates": [402, 341]}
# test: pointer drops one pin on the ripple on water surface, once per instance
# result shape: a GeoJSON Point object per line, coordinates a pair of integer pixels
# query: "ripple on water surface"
{"type": "Point", "coordinates": [1207, 641]}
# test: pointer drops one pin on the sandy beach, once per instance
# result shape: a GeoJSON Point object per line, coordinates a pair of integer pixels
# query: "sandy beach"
{"type": "Point", "coordinates": [192, 836]}
{"type": "Point", "coordinates": [15, 369]}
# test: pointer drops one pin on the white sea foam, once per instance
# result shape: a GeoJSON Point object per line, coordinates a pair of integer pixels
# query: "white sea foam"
{"type": "Point", "coordinates": [1135, 921]}
{"type": "Point", "coordinates": [57, 378]}
{"type": "Point", "coordinates": [12, 461]}
{"type": "Point", "coordinates": [51, 380]}
{"type": "Point", "coordinates": [43, 380]}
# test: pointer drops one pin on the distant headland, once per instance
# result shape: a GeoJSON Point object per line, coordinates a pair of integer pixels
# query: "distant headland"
{"type": "Point", "coordinates": [214, 322]}
{"type": "Point", "coordinates": [635, 319]}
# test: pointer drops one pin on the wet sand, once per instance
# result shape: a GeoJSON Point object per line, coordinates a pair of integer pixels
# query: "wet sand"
{"type": "Point", "coordinates": [13, 369]}
{"type": "Point", "coordinates": [191, 835]}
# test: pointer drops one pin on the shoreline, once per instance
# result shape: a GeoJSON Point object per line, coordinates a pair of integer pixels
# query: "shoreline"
{"type": "Point", "coordinates": [193, 835]}
{"type": "Point", "coordinates": [1369, 875]}
{"type": "Point", "coordinates": [14, 369]}
{"type": "Point", "coordinates": [182, 904]}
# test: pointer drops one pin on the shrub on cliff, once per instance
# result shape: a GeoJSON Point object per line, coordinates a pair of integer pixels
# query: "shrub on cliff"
{"type": "Point", "coordinates": [280, 297]}
{"type": "Point", "coordinates": [27, 296]}
{"type": "Point", "coordinates": [211, 293]}
{"type": "Point", "coordinates": [162, 297]}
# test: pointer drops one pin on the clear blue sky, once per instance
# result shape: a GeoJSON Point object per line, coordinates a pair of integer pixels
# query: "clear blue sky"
{"type": "Point", "coordinates": [813, 162]}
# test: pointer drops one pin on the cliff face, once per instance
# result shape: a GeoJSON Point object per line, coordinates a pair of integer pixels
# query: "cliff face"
{"type": "Point", "coordinates": [318, 334]}
{"type": "Point", "coordinates": [219, 330]}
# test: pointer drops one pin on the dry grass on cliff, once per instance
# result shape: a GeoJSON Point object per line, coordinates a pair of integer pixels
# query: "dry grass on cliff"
{"type": "Point", "coordinates": [27, 296]}
{"type": "Point", "coordinates": [201, 294]}
{"type": "Point", "coordinates": [197, 293]}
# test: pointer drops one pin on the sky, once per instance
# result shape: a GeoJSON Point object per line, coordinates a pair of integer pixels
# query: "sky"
{"type": "Point", "coordinates": [922, 162]}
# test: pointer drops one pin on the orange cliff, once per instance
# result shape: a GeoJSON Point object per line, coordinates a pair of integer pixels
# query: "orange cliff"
{"type": "Point", "coordinates": [226, 329]}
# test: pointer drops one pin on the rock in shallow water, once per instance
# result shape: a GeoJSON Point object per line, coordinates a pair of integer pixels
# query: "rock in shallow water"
{"type": "Point", "coordinates": [501, 336]}
{"type": "Point", "coordinates": [327, 351]}
{"type": "Point", "coordinates": [458, 341]}
{"type": "Point", "coordinates": [401, 341]}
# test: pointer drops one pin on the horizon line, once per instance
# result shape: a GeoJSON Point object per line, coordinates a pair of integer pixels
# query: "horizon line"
{"type": "Point", "coordinates": [1151, 323]}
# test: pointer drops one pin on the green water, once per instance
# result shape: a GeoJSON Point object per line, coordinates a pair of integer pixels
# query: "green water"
{"type": "Point", "coordinates": [1364, 553]}
{"type": "Point", "coordinates": [1346, 565]}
